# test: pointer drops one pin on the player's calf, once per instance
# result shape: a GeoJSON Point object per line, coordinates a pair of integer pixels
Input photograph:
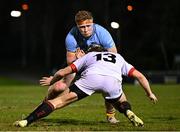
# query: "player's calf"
{"type": "Point", "coordinates": [125, 108]}
{"type": "Point", "coordinates": [41, 111]}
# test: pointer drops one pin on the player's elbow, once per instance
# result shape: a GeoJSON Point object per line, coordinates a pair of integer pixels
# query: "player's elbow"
{"type": "Point", "coordinates": [138, 75]}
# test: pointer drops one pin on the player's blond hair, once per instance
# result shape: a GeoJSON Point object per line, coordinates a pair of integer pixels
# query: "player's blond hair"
{"type": "Point", "coordinates": [83, 15]}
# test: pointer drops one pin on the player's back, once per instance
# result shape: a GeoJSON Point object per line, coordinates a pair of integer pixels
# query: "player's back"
{"type": "Point", "coordinates": [103, 63]}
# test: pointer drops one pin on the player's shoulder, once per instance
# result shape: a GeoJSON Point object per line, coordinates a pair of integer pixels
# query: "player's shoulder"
{"type": "Point", "coordinates": [99, 27]}
{"type": "Point", "coordinates": [101, 31]}
{"type": "Point", "coordinates": [73, 31]}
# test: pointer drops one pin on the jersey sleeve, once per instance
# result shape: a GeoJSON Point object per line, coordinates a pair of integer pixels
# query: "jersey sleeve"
{"type": "Point", "coordinates": [131, 71]}
{"type": "Point", "coordinates": [127, 69]}
{"type": "Point", "coordinates": [70, 42]}
{"type": "Point", "coordinates": [79, 64]}
{"type": "Point", "coordinates": [73, 67]}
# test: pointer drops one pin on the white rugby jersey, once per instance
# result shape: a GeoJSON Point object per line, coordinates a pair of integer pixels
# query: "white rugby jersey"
{"type": "Point", "coordinates": [103, 63]}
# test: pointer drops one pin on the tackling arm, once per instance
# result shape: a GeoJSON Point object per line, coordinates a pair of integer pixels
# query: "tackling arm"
{"type": "Point", "coordinates": [70, 57]}
{"type": "Point", "coordinates": [66, 73]}
{"type": "Point", "coordinates": [60, 74]}
{"type": "Point", "coordinates": [46, 81]}
{"type": "Point", "coordinates": [145, 84]}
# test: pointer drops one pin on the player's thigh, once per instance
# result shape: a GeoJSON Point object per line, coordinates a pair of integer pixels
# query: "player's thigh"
{"type": "Point", "coordinates": [122, 98]}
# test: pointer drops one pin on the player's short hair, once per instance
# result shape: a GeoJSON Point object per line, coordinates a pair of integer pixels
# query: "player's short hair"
{"type": "Point", "coordinates": [96, 47]}
{"type": "Point", "coordinates": [83, 15]}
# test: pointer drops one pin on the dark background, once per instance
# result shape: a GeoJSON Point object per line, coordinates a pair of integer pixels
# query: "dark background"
{"type": "Point", "coordinates": [148, 37]}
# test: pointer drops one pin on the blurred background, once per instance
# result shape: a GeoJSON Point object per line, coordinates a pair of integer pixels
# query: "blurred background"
{"type": "Point", "coordinates": [148, 35]}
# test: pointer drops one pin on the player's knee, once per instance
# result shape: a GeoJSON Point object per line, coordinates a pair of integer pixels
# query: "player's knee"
{"type": "Point", "coordinates": [122, 107]}
{"type": "Point", "coordinates": [59, 87]}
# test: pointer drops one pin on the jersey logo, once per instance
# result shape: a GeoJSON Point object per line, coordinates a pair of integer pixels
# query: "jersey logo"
{"type": "Point", "coordinates": [106, 57]}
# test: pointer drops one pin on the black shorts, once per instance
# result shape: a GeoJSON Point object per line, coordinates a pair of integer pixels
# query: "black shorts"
{"type": "Point", "coordinates": [112, 101]}
{"type": "Point", "coordinates": [79, 92]}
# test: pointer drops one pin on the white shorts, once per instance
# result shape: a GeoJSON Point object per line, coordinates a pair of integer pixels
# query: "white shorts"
{"type": "Point", "coordinates": [110, 87]}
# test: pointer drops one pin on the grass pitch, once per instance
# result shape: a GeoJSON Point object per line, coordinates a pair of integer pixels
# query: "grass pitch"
{"type": "Point", "coordinates": [18, 99]}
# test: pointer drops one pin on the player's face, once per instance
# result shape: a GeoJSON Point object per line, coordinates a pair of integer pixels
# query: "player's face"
{"type": "Point", "coordinates": [86, 27]}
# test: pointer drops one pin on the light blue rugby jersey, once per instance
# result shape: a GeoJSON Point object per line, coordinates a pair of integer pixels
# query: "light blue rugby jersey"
{"type": "Point", "coordinates": [100, 35]}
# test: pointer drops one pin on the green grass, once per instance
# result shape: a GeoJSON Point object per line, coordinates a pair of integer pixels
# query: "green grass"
{"type": "Point", "coordinates": [18, 99]}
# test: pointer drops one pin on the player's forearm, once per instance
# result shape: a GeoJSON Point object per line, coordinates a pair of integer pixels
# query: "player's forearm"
{"type": "Point", "coordinates": [145, 84]}
{"type": "Point", "coordinates": [143, 81]}
{"type": "Point", "coordinates": [56, 78]}
{"type": "Point", "coordinates": [60, 74]}
{"type": "Point", "coordinates": [69, 78]}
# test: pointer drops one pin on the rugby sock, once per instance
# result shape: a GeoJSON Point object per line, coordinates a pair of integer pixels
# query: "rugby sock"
{"type": "Point", "coordinates": [41, 111]}
{"type": "Point", "coordinates": [110, 113]}
{"type": "Point", "coordinates": [122, 107]}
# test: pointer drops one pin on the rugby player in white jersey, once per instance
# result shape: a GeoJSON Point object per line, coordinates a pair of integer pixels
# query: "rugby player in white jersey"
{"type": "Point", "coordinates": [101, 71]}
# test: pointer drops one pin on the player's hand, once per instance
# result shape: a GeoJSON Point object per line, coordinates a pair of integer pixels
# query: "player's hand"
{"type": "Point", "coordinates": [153, 98]}
{"type": "Point", "coordinates": [79, 53]}
{"type": "Point", "coordinates": [45, 81]}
